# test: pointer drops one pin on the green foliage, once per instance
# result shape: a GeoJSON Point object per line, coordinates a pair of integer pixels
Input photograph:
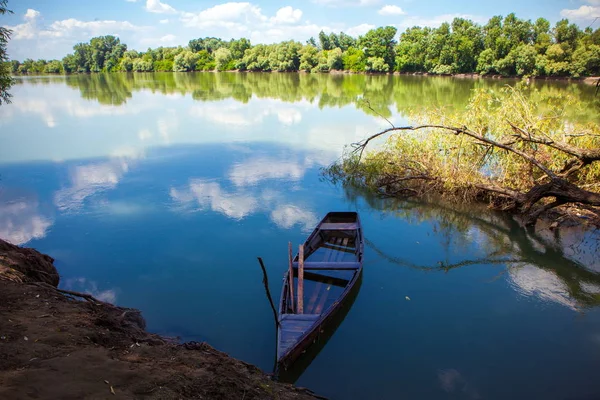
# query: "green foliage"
{"type": "Point", "coordinates": [5, 68]}
{"type": "Point", "coordinates": [376, 64]}
{"type": "Point", "coordinates": [54, 67]}
{"type": "Point", "coordinates": [223, 58]}
{"type": "Point", "coordinates": [309, 58]}
{"type": "Point", "coordinates": [354, 60]}
{"type": "Point", "coordinates": [334, 59]}
{"type": "Point", "coordinates": [505, 45]}
{"type": "Point", "coordinates": [380, 43]}
{"type": "Point", "coordinates": [209, 44]}
{"type": "Point", "coordinates": [185, 61]}
{"type": "Point", "coordinates": [459, 163]}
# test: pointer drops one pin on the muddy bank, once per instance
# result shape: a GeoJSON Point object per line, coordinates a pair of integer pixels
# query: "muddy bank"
{"type": "Point", "coordinates": [58, 346]}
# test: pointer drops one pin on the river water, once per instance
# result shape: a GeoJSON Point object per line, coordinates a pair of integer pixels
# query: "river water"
{"type": "Point", "coordinates": [158, 191]}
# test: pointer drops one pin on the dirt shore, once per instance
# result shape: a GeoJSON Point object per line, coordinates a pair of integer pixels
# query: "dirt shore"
{"type": "Point", "coordinates": [58, 346]}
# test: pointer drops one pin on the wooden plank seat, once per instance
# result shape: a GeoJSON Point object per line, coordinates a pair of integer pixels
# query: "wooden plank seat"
{"type": "Point", "coordinates": [313, 265]}
{"type": "Point", "coordinates": [344, 226]}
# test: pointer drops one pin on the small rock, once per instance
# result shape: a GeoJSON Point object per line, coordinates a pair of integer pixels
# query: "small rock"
{"type": "Point", "coordinates": [25, 338]}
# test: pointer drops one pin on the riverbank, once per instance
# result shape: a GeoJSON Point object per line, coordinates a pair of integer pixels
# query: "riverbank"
{"type": "Point", "coordinates": [590, 80]}
{"type": "Point", "coordinates": [58, 345]}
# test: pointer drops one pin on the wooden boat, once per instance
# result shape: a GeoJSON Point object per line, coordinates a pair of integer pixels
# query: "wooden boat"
{"type": "Point", "coordinates": [318, 282]}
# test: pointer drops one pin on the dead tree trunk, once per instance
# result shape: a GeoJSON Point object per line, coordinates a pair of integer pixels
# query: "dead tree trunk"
{"type": "Point", "coordinates": [554, 189]}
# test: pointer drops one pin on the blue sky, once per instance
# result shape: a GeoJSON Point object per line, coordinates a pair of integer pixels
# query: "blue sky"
{"type": "Point", "coordinates": [49, 28]}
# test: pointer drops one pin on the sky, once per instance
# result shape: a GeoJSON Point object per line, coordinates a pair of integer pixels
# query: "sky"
{"type": "Point", "coordinates": [49, 28]}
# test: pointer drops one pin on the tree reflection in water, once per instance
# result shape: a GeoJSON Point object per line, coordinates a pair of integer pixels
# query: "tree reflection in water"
{"type": "Point", "coordinates": [560, 265]}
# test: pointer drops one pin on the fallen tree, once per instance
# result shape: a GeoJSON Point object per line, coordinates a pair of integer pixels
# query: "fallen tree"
{"type": "Point", "coordinates": [520, 157]}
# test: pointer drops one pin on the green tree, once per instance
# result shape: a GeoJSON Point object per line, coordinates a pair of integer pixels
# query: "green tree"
{"type": "Point", "coordinates": [209, 44]}
{"type": "Point", "coordinates": [285, 56]}
{"type": "Point", "coordinates": [238, 48]}
{"type": "Point", "coordinates": [346, 41]}
{"type": "Point", "coordinates": [354, 60]}
{"type": "Point", "coordinates": [5, 68]}
{"type": "Point", "coordinates": [223, 59]}
{"type": "Point", "coordinates": [380, 43]}
{"type": "Point", "coordinates": [324, 41]}
{"type": "Point", "coordinates": [185, 61]}
{"type": "Point", "coordinates": [309, 58]}
{"type": "Point", "coordinates": [334, 59]}
{"type": "Point", "coordinates": [376, 64]}
{"type": "Point", "coordinates": [53, 67]}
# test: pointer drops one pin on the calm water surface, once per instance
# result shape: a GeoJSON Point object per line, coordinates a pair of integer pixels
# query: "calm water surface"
{"type": "Point", "coordinates": [158, 191]}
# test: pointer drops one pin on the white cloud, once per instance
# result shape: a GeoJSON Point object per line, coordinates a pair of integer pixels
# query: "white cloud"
{"type": "Point", "coordinates": [359, 29]}
{"type": "Point", "coordinates": [31, 14]}
{"type": "Point", "coordinates": [345, 3]}
{"type": "Point", "coordinates": [166, 40]}
{"type": "Point", "coordinates": [210, 195]}
{"type": "Point", "coordinates": [532, 281]}
{"type": "Point", "coordinates": [249, 173]}
{"type": "Point", "coordinates": [226, 15]}
{"type": "Point", "coordinates": [287, 15]}
{"type": "Point", "coordinates": [90, 287]}
{"type": "Point", "coordinates": [391, 10]}
{"type": "Point", "coordinates": [163, 21]}
{"type": "Point", "coordinates": [286, 216]}
{"type": "Point", "coordinates": [583, 12]}
{"type": "Point", "coordinates": [87, 180]}
{"type": "Point", "coordinates": [21, 222]}
{"type": "Point", "coordinates": [30, 29]}
{"type": "Point", "coordinates": [156, 6]}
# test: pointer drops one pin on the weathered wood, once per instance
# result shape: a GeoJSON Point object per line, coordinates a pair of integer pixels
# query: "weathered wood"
{"type": "Point", "coordinates": [299, 330]}
{"type": "Point", "coordinates": [340, 226]}
{"type": "Point", "coordinates": [344, 265]}
{"type": "Point", "coordinates": [317, 277]}
{"type": "Point", "coordinates": [291, 276]}
{"type": "Point", "coordinates": [300, 309]}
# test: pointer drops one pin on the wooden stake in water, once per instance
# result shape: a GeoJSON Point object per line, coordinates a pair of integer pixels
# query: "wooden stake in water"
{"type": "Point", "coordinates": [301, 280]}
{"type": "Point", "coordinates": [291, 276]}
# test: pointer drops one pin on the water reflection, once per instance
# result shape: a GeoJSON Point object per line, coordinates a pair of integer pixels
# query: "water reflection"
{"type": "Point", "coordinates": [84, 285]}
{"type": "Point", "coordinates": [20, 218]}
{"type": "Point", "coordinates": [536, 263]}
{"type": "Point", "coordinates": [384, 92]}
{"type": "Point", "coordinates": [88, 180]}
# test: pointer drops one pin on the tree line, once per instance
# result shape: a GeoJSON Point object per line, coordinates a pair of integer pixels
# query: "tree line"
{"type": "Point", "coordinates": [507, 46]}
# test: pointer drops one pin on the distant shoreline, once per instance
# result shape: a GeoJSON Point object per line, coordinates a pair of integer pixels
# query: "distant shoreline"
{"type": "Point", "coordinates": [588, 80]}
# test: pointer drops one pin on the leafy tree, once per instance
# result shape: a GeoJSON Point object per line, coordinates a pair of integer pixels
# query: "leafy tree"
{"type": "Point", "coordinates": [542, 38]}
{"type": "Point", "coordinates": [376, 64]}
{"type": "Point", "coordinates": [5, 69]}
{"type": "Point", "coordinates": [309, 58]}
{"type": "Point", "coordinates": [209, 44]}
{"type": "Point", "coordinates": [286, 56]}
{"type": "Point", "coordinates": [411, 50]}
{"type": "Point", "coordinates": [223, 58]}
{"type": "Point", "coordinates": [324, 41]}
{"type": "Point", "coordinates": [586, 61]}
{"type": "Point", "coordinates": [185, 61]}
{"type": "Point", "coordinates": [346, 41]}
{"type": "Point", "coordinates": [53, 67]}
{"type": "Point", "coordinates": [257, 58]}
{"type": "Point", "coordinates": [334, 59]}
{"type": "Point", "coordinates": [380, 43]}
{"type": "Point", "coordinates": [354, 60]}
{"type": "Point", "coordinates": [105, 52]}
{"type": "Point", "coordinates": [485, 62]}
{"type": "Point", "coordinates": [238, 48]}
